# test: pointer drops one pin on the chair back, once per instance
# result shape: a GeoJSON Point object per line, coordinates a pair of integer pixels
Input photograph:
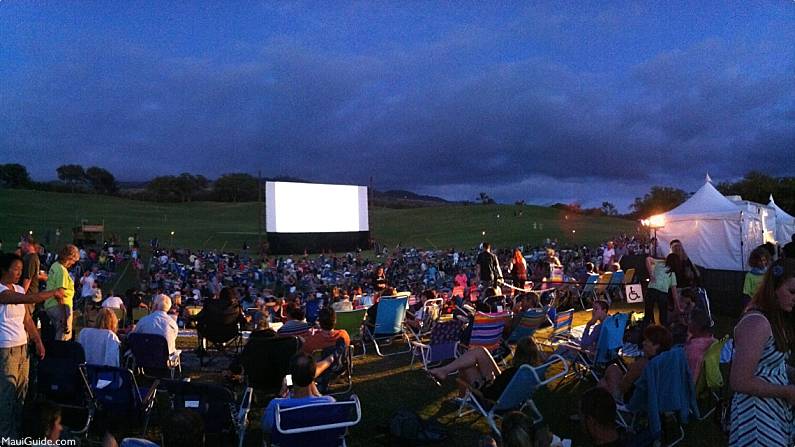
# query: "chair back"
{"type": "Point", "coordinates": [313, 310]}
{"type": "Point", "coordinates": [214, 403]}
{"type": "Point", "coordinates": [590, 283]}
{"type": "Point", "coordinates": [487, 329]}
{"type": "Point", "coordinates": [611, 337]}
{"type": "Point", "coordinates": [318, 425]}
{"type": "Point", "coordinates": [529, 322]}
{"type": "Point", "coordinates": [604, 281]}
{"type": "Point", "coordinates": [444, 339]}
{"type": "Point", "coordinates": [563, 322]}
{"type": "Point", "coordinates": [366, 301]}
{"type": "Point", "coordinates": [60, 374]}
{"type": "Point", "coordinates": [521, 388]}
{"type": "Point", "coordinates": [711, 376]}
{"type": "Point", "coordinates": [458, 291]}
{"type": "Point", "coordinates": [266, 360]}
{"type": "Point", "coordinates": [351, 321]}
{"type": "Point", "coordinates": [629, 276]}
{"type": "Point", "coordinates": [149, 350]}
{"type": "Point", "coordinates": [616, 279]}
{"type": "Point", "coordinates": [115, 389]}
{"type": "Point", "coordinates": [391, 313]}
{"type": "Point", "coordinates": [138, 313]}
{"type": "Point", "coordinates": [120, 314]}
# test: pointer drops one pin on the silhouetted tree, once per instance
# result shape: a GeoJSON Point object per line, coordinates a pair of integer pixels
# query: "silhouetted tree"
{"type": "Point", "coordinates": [658, 200]}
{"type": "Point", "coordinates": [237, 187]}
{"type": "Point", "coordinates": [101, 180]}
{"type": "Point", "coordinates": [14, 175]}
{"type": "Point", "coordinates": [73, 175]}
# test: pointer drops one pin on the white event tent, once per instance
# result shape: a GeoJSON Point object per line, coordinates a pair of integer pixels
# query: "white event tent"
{"type": "Point", "coordinates": [715, 232]}
{"type": "Point", "coordinates": [785, 224]}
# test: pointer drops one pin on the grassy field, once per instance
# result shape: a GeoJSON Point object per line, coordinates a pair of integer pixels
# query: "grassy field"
{"type": "Point", "coordinates": [215, 225]}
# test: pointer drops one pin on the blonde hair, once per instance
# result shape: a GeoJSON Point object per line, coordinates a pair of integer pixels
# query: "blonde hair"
{"type": "Point", "coordinates": [107, 320]}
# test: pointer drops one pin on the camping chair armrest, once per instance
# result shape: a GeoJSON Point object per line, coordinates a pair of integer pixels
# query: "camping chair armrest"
{"type": "Point", "coordinates": [354, 399]}
{"type": "Point", "coordinates": [245, 407]}
{"type": "Point", "coordinates": [474, 391]}
{"type": "Point", "coordinates": [175, 357]}
{"type": "Point", "coordinates": [422, 346]}
{"type": "Point", "coordinates": [554, 358]}
{"type": "Point", "coordinates": [150, 395]}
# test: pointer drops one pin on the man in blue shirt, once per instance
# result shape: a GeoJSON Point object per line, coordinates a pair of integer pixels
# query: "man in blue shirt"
{"type": "Point", "coordinates": [303, 370]}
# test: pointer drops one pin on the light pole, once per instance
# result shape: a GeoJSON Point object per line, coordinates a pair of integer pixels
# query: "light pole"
{"type": "Point", "coordinates": [171, 242]}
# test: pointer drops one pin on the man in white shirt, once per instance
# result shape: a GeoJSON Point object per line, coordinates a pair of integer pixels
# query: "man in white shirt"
{"type": "Point", "coordinates": [160, 323]}
{"type": "Point", "coordinates": [607, 256]}
{"type": "Point", "coordinates": [87, 283]}
{"type": "Point", "coordinates": [113, 302]}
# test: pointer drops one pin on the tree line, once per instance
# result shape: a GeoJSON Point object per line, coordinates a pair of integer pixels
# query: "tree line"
{"type": "Point", "coordinates": [240, 187]}
{"type": "Point", "coordinates": [185, 187]}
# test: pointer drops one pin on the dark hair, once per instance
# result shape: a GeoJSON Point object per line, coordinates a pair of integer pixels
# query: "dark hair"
{"type": "Point", "coordinates": [185, 428]}
{"type": "Point", "coordinates": [700, 319]}
{"type": "Point", "coordinates": [673, 263]}
{"type": "Point", "coordinates": [603, 304]}
{"type": "Point", "coordinates": [327, 318]}
{"type": "Point", "coordinates": [526, 352]}
{"type": "Point", "coordinates": [6, 259]}
{"type": "Point", "coordinates": [589, 267]}
{"type": "Point", "coordinates": [303, 369]}
{"type": "Point", "coordinates": [486, 245]}
{"type": "Point", "coordinates": [659, 335]}
{"type": "Point", "coordinates": [765, 300]}
{"type": "Point", "coordinates": [756, 257]}
{"type": "Point", "coordinates": [678, 333]}
{"type": "Point", "coordinates": [295, 311]}
{"type": "Point", "coordinates": [517, 430]}
{"type": "Point", "coordinates": [228, 294]}
{"type": "Point", "coordinates": [598, 404]}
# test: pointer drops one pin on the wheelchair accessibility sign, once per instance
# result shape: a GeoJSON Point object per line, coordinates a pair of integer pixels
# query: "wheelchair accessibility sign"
{"type": "Point", "coordinates": [634, 293]}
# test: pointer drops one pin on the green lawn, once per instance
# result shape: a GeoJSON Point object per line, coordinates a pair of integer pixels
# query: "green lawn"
{"type": "Point", "coordinates": [215, 225]}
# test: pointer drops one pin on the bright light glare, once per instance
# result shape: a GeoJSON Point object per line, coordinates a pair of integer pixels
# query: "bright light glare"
{"type": "Point", "coordinates": [657, 221]}
{"type": "Point", "coordinates": [315, 208]}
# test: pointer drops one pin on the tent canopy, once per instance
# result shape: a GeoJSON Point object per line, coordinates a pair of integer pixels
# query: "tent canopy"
{"type": "Point", "coordinates": [714, 231]}
{"type": "Point", "coordinates": [785, 223]}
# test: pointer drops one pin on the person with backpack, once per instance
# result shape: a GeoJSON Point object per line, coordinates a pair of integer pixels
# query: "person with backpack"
{"type": "Point", "coordinates": [662, 281]}
{"type": "Point", "coordinates": [488, 267]}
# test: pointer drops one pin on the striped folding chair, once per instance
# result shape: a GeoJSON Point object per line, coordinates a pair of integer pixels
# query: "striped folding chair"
{"type": "Point", "coordinates": [487, 332]}
{"type": "Point", "coordinates": [561, 329]}
{"type": "Point", "coordinates": [528, 323]}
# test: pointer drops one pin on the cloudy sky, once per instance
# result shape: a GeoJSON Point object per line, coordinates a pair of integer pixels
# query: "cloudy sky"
{"type": "Point", "coordinates": [548, 101]}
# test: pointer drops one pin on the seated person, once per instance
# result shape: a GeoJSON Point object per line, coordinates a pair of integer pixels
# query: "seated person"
{"type": "Point", "coordinates": [326, 336]}
{"type": "Point", "coordinates": [518, 430]}
{"type": "Point", "coordinates": [656, 339]}
{"type": "Point", "coordinates": [222, 317]}
{"type": "Point", "coordinates": [700, 339]}
{"type": "Point", "coordinates": [372, 311]}
{"type": "Point", "coordinates": [159, 322]}
{"type": "Point", "coordinates": [303, 370]}
{"type": "Point", "coordinates": [114, 302]}
{"type": "Point", "coordinates": [598, 417]}
{"type": "Point", "coordinates": [590, 335]}
{"type": "Point", "coordinates": [479, 371]}
{"type": "Point", "coordinates": [43, 421]}
{"type": "Point", "coordinates": [296, 323]}
{"type": "Point", "coordinates": [101, 344]}
{"type": "Point", "coordinates": [343, 304]}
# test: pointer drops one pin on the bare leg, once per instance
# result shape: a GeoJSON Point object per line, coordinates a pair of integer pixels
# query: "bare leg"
{"type": "Point", "coordinates": [478, 358]}
{"type": "Point", "coordinates": [612, 380]}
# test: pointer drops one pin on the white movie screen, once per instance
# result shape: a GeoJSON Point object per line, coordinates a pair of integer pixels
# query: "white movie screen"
{"type": "Point", "coordinates": [315, 208]}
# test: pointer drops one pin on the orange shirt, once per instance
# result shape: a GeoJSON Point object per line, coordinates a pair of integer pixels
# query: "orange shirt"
{"type": "Point", "coordinates": [319, 339]}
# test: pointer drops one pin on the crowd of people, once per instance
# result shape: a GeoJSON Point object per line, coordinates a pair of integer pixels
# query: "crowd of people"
{"type": "Point", "coordinates": [301, 296]}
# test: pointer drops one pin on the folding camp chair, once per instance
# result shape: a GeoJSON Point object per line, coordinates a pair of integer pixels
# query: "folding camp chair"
{"type": "Point", "coordinates": [629, 276]}
{"type": "Point", "coordinates": [266, 360]}
{"type": "Point", "coordinates": [118, 394]}
{"type": "Point", "coordinates": [529, 322]}
{"type": "Point", "coordinates": [138, 313]}
{"type": "Point", "coordinates": [486, 331]}
{"type": "Point", "coordinates": [389, 324]}
{"type": "Point", "coordinates": [224, 337]}
{"type": "Point", "coordinates": [608, 346]}
{"type": "Point", "coordinates": [316, 425]}
{"type": "Point", "coordinates": [443, 345]}
{"type": "Point", "coordinates": [312, 308]}
{"type": "Point", "coordinates": [516, 396]}
{"type": "Point", "coordinates": [426, 317]}
{"type": "Point", "coordinates": [561, 328]}
{"type": "Point", "coordinates": [588, 290]}
{"type": "Point", "coordinates": [151, 357]}
{"type": "Point", "coordinates": [222, 415]}
{"type": "Point", "coordinates": [710, 381]}
{"type": "Point", "coordinates": [121, 315]}
{"type": "Point", "coordinates": [665, 386]}
{"type": "Point", "coordinates": [61, 378]}
{"type": "Point", "coordinates": [351, 321]}
{"type": "Point", "coordinates": [614, 288]}
{"type": "Point", "coordinates": [601, 287]}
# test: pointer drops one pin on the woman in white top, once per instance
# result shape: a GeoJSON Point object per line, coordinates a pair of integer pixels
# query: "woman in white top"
{"type": "Point", "coordinates": [101, 343]}
{"type": "Point", "coordinates": [15, 327]}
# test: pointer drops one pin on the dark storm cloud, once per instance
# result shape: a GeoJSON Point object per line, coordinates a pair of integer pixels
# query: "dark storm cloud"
{"type": "Point", "coordinates": [436, 118]}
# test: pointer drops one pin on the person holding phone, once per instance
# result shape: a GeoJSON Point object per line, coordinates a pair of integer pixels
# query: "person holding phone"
{"type": "Point", "coordinates": [299, 389]}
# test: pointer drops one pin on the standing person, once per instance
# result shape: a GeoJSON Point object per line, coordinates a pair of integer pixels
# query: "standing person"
{"type": "Point", "coordinates": [688, 274]}
{"type": "Point", "coordinates": [31, 269]}
{"type": "Point", "coordinates": [60, 312]}
{"type": "Point", "coordinates": [761, 409]}
{"type": "Point", "coordinates": [758, 261]}
{"type": "Point", "coordinates": [15, 322]}
{"type": "Point", "coordinates": [518, 269]}
{"type": "Point", "coordinates": [662, 280]}
{"type": "Point", "coordinates": [607, 256]}
{"type": "Point", "coordinates": [488, 267]}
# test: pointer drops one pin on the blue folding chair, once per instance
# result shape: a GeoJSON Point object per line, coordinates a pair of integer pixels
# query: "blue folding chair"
{"type": "Point", "coordinates": [150, 355]}
{"type": "Point", "coordinates": [389, 324]}
{"type": "Point", "coordinates": [443, 345]}
{"type": "Point", "coordinates": [529, 322]}
{"type": "Point", "coordinates": [561, 328]}
{"type": "Point", "coordinates": [117, 393]}
{"type": "Point", "coordinates": [608, 347]}
{"type": "Point", "coordinates": [517, 395]}
{"type": "Point", "coordinates": [588, 289]}
{"type": "Point", "coordinates": [615, 285]}
{"type": "Point", "coordinates": [313, 310]}
{"type": "Point", "coordinates": [316, 425]}
{"type": "Point", "coordinates": [61, 378]}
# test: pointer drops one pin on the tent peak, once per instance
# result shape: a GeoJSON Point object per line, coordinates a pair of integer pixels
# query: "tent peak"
{"type": "Point", "coordinates": [708, 179]}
